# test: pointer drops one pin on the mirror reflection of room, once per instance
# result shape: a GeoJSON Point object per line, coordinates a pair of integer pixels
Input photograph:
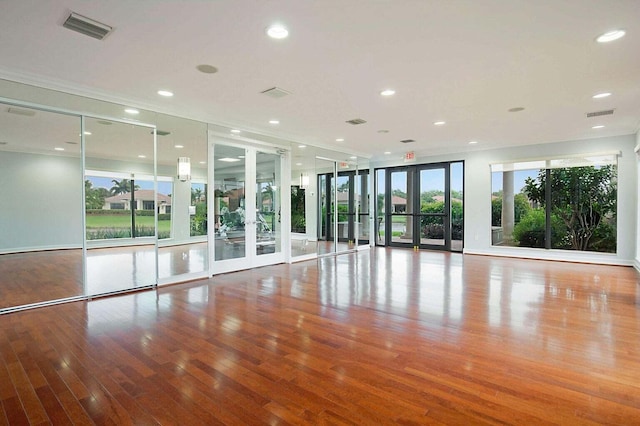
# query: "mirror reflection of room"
{"type": "Point", "coordinates": [41, 227]}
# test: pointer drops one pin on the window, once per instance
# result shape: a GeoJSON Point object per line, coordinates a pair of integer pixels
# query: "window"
{"type": "Point", "coordinates": [568, 203]}
{"type": "Point", "coordinates": [148, 205]}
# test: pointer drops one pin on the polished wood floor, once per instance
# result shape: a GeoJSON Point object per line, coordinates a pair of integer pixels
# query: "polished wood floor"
{"type": "Point", "coordinates": [37, 277]}
{"type": "Point", "coordinates": [389, 336]}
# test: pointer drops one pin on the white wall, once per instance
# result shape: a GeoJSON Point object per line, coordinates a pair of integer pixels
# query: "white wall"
{"type": "Point", "coordinates": [637, 147]}
{"type": "Point", "coordinates": [40, 202]}
{"type": "Point", "coordinates": [477, 232]}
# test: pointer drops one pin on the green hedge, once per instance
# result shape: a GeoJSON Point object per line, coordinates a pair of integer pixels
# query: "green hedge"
{"type": "Point", "coordinates": [101, 212]}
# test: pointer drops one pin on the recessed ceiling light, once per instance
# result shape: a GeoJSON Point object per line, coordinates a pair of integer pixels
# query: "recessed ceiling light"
{"type": "Point", "coordinates": [277, 31]}
{"type": "Point", "coordinates": [165, 93]}
{"type": "Point", "coordinates": [132, 111]}
{"type": "Point", "coordinates": [599, 126]}
{"type": "Point", "coordinates": [235, 131]}
{"type": "Point", "coordinates": [58, 149]}
{"type": "Point", "coordinates": [86, 133]}
{"type": "Point", "coordinates": [516, 109]}
{"type": "Point", "coordinates": [142, 156]}
{"type": "Point", "coordinates": [298, 164]}
{"type": "Point", "coordinates": [388, 92]}
{"type": "Point", "coordinates": [340, 140]}
{"type": "Point", "coordinates": [203, 162]}
{"type": "Point", "coordinates": [228, 160]}
{"type": "Point", "coordinates": [387, 152]}
{"type": "Point", "coordinates": [302, 146]}
{"type": "Point", "coordinates": [610, 36]}
{"type": "Point", "coordinates": [207, 69]}
{"type": "Point", "coordinates": [353, 157]}
{"type": "Point", "coordinates": [178, 146]}
{"type": "Point", "coordinates": [601, 95]}
{"type": "Point", "coordinates": [240, 156]}
{"type": "Point", "coordinates": [473, 142]}
{"type": "Point", "coordinates": [439, 123]}
{"type": "Point", "coordinates": [274, 122]}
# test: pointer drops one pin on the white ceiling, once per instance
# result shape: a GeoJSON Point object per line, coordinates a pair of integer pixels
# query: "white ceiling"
{"type": "Point", "coordinates": [462, 61]}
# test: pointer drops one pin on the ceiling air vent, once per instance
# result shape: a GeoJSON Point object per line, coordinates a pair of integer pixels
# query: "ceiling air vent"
{"type": "Point", "coordinates": [87, 26]}
{"type": "Point", "coordinates": [356, 121]}
{"type": "Point", "coordinates": [161, 132]}
{"type": "Point", "coordinates": [275, 92]}
{"type": "Point", "coordinates": [20, 111]}
{"type": "Point", "coordinates": [599, 113]}
{"type": "Point", "coordinates": [407, 140]}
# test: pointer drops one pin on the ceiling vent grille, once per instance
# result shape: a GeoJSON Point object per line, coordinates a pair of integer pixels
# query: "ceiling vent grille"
{"type": "Point", "coordinates": [86, 26]}
{"type": "Point", "coordinates": [407, 141]}
{"type": "Point", "coordinates": [599, 113]}
{"type": "Point", "coordinates": [161, 132]}
{"type": "Point", "coordinates": [275, 92]}
{"type": "Point", "coordinates": [356, 121]}
{"type": "Point", "coordinates": [20, 111]}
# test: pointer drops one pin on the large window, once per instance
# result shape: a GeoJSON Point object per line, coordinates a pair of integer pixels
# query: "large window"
{"type": "Point", "coordinates": [568, 203]}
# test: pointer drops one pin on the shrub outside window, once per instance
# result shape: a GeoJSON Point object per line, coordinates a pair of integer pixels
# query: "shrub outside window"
{"type": "Point", "coordinates": [567, 203]}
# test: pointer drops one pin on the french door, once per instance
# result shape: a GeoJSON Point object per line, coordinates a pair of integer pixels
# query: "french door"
{"type": "Point", "coordinates": [246, 208]}
{"type": "Point", "coordinates": [415, 206]}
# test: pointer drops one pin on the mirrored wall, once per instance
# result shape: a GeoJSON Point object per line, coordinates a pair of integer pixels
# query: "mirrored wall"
{"type": "Point", "coordinates": [329, 203]}
{"type": "Point", "coordinates": [97, 203]}
{"type": "Point", "coordinates": [41, 235]}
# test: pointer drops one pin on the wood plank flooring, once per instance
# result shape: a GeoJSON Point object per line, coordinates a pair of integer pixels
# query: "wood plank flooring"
{"type": "Point", "coordinates": [389, 336]}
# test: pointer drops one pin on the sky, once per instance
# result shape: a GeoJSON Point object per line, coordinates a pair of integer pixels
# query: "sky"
{"type": "Point", "coordinates": [519, 177]}
{"type": "Point", "coordinates": [104, 182]}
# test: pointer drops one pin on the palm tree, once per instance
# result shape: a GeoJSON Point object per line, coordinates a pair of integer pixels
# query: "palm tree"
{"type": "Point", "coordinates": [196, 195]}
{"type": "Point", "coordinates": [122, 187]}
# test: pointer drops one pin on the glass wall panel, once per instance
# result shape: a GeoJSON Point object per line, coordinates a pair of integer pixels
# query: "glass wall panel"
{"type": "Point", "coordinates": [41, 209]}
{"type": "Point", "coordinates": [583, 208]}
{"type": "Point", "coordinates": [182, 199]}
{"type": "Point", "coordinates": [569, 204]}
{"type": "Point", "coordinates": [304, 217]}
{"type": "Point", "coordinates": [510, 206]}
{"type": "Point", "coordinates": [229, 202]}
{"type": "Point", "coordinates": [121, 235]}
{"type": "Point", "coordinates": [325, 172]}
{"type": "Point", "coordinates": [457, 205]}
{"type": "Point", "coordinates": [362, 206]}
{"type": "Point", "coordinates": [380, 206]}
{"type": "Point", "coordinates": [268, 202]}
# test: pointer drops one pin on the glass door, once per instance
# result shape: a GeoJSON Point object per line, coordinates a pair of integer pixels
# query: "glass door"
{"type": "Point", "coordinates": [247, 231]}
{"type": "Point", "coordinates": [399, 221]}
{"type": "Point", "coordinates": [418, 207]}
{"type": "Point", "coordinates": [267, 222]}
{"type": "Point", "coordinates": [433, 222]}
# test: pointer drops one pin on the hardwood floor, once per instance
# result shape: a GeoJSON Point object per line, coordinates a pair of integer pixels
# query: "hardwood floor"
{"type": "Point", "coordinates": [36, 277]}
{"type": "Point", "coordinates": [389, 336]}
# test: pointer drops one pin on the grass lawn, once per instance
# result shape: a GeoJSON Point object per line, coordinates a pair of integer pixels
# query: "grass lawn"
{"type": "Point", "coordinates": [103, 221]}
